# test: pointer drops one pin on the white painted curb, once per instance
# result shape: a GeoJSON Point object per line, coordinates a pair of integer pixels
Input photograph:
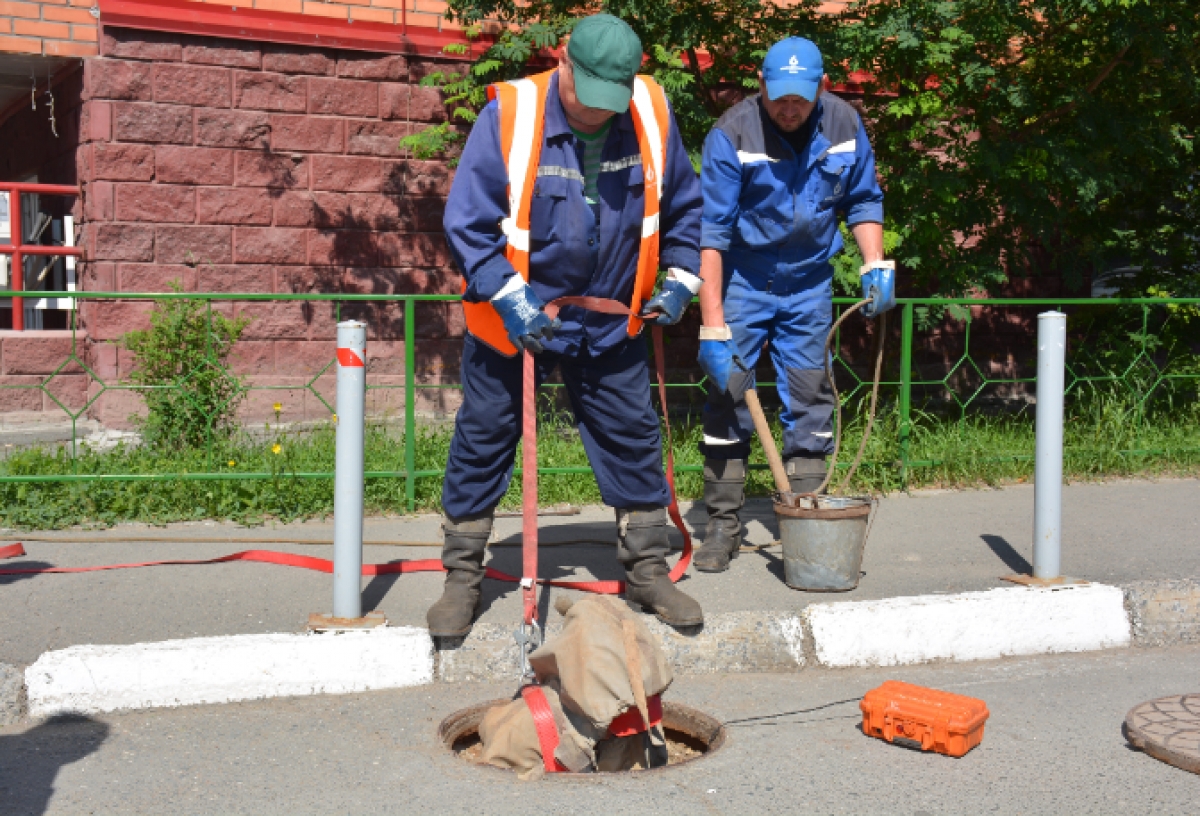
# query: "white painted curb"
{"type": "Point", "coordinates": [969, 626]}
{"type": "Point", "coordinates": [91, 679]}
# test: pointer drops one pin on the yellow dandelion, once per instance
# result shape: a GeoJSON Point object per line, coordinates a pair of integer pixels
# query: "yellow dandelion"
{"type": "Point", "coordinates": [276, 448]}
{"type": "Point", "coordinates": [278, 407]}
{"type": "Point", "coordinates": [232, 463]}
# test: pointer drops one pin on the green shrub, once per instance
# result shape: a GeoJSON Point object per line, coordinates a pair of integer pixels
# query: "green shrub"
{"type": "Point", "coordinates": [180, 368]}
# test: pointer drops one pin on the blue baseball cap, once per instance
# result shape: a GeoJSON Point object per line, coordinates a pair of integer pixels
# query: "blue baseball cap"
{"type": "Point", "coordinates": [793, 66]}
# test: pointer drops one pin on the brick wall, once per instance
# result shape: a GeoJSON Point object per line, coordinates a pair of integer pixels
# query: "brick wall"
{"type": "Point", "coordinates": [422, 13]}
{"type": "Point", "coordinates": [230, 166]}
{"type": "Point", "coordinates": [68, 28]}
{"type": "Point", "coordinates": [54, 28]}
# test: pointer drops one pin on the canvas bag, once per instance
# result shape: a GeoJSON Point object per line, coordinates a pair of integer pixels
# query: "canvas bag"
{"type": "Point", "coordinates": [590, 675]}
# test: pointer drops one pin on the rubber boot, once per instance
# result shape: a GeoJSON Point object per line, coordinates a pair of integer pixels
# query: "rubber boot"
{"type": "Point", "coordinates": [642, 549]}
{"type": "Point", "coordinates": [805, 473]}
{"type": "Point", "coordinates": [463, 548]}
{"type": "Point", "coordinates": [724, 495]}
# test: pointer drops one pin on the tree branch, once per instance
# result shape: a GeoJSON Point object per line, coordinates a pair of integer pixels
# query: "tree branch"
{"type": "Point", "coordinates": [1063, 110]}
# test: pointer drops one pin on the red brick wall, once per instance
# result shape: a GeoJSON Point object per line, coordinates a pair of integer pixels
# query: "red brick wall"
{"type": "Point", "coordinates": [230, 166]}
{"type": "Point", "coordinates": [53, 28]}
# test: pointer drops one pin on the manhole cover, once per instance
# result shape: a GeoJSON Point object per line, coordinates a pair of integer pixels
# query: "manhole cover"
{"type": "Point", "coordinates": [1168, 729]}
{"type": "Point", "coordinates": [691, 734]}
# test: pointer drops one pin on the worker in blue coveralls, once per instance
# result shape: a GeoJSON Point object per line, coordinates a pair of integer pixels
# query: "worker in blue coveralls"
{"type": "Point", "coordinates": [778, 169]}
{"type": "Point", "coordinates": [586, 223]}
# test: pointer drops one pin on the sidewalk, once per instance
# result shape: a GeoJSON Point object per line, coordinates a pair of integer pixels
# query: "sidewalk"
{"type": "Point", "coordinates": [928, 544]}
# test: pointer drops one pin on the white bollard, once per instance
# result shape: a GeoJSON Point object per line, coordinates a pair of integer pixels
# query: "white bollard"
{"type": "Point", "coordinates": [348, 477]}
{"type": "Point", "coordinates": [1047, 507]}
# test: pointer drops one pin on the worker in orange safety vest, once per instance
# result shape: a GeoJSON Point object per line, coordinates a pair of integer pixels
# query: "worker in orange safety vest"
{"type": "Point", "coordinates": [572, 182]}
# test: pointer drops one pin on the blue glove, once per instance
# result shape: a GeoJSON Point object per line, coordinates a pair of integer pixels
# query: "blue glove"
{"type": "Point", "coordinates": [524, 320]}
{"type": "Point", "coordinates": [723, 366]}
{"type": "Point", "coordinates": [878, 285]}
{"type": "Point", "coordinates": [667, 307]}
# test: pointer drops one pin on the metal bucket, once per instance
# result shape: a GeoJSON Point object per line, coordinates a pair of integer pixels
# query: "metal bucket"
{"type": "Point", "coordinates": [823, 545]}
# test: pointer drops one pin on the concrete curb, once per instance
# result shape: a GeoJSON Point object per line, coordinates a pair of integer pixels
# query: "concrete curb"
{"type": "Point", "coordinates": [12, 695]}
{"type": "Point", "coordinates": [1164, 613]}
{"type": "Point", "coordinates": [890, 632]}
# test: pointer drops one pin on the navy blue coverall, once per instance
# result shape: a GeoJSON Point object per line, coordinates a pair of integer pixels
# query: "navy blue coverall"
{"type": "Point", "coordinates": [773, 215]}
{"type": "Point", "coordinates": [574, 250]}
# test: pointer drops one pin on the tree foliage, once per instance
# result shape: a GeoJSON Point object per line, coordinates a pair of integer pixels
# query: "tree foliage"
{"type": "Point", "coordinates": [1016, 136]}
{"type": "Point", "coordinates": [1013, 137]}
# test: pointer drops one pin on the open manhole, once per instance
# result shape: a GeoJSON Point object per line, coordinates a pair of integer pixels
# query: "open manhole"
{"type": "Point", "coordinates": [691, 734]}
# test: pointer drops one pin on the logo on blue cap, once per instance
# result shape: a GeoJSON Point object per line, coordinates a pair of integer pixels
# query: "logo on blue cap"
{"type": "Point", "coordinates": [793, 66]}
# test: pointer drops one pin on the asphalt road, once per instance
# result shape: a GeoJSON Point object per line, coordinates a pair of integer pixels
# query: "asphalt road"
{"type": "Point", "coordinates": [1053, 745]}
{"type": "Point", "coordinates": [1114, 532]}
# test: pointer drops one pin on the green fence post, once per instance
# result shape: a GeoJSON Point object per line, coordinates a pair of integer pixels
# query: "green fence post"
{"type": "Point", "coordinates": [906, 338]}
{"type": "Point", "coordinates": [410, 405]}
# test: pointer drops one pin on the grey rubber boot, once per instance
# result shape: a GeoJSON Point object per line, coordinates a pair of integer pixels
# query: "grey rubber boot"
{"type": "Point", "coordinates": [805, 473]}
{"type": "Point", "coordinates": [463, 549]}
{"type": "Point", "coordinates": [724, 495]}
{"type": "Point", "coordinates": [642, 549]}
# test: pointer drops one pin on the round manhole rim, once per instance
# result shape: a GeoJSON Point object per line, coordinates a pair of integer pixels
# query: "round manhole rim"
{"type": "Point", "coordinates": [677, 717]}
{"type": "Point", "coordinates": [1150, 726]}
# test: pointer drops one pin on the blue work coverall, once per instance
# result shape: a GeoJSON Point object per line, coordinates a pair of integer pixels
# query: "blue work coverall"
{"type": "Point", "coordinates": [576, 248]}
{"type": "Point", "coordinates": [772, 212]}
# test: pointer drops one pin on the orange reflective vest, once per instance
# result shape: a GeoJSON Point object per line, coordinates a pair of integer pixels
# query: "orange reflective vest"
{"type": "Point", "coordinates": [522, 115]}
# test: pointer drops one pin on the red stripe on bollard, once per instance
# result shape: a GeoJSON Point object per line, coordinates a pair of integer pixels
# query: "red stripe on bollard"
{"type": "Point", "coordinates": [349, 358]}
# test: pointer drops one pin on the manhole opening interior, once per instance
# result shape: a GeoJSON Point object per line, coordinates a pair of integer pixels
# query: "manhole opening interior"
{"type": "Point", "coordinates": [691, 735]}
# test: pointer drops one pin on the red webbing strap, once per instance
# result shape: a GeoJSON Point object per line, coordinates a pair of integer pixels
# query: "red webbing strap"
{"type": "Point", "coordinates": [258, 556]}
{"type": "Point", "coordinates": [631, 721]}
{"type": "Point", "coordinates": [543, 721]}
{"type": "Point", "coordinates": [529, 487]}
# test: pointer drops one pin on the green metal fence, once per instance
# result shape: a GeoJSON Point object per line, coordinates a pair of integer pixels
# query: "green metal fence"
{"type": "Point", "coordinates": [961, 381]}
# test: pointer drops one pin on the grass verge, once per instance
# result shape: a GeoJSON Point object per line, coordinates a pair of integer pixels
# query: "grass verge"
{"type": "Point", "coordinates": [1105, 439]}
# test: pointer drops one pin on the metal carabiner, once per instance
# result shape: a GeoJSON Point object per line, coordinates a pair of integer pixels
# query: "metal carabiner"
{"type": "Point", "coordinates": [529, 638]}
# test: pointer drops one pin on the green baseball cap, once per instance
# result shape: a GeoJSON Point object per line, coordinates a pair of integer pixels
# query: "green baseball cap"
{"type": "Point", "coordinates": [606, 56]}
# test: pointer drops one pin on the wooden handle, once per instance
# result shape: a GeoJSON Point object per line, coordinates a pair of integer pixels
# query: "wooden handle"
{"type": "Point", "coordinates": [767, 441]}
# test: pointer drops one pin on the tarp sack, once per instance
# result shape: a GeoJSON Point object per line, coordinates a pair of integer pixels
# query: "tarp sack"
{"type": "Point", "coordinates": [510, 739]}
{"type": "Point", "coordinates": [604, 663]}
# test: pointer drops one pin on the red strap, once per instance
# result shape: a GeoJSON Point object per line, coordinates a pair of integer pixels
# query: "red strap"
{"type": "Point", "coordinates": [631, 721]}
{"type": "Point", "coordinates": [529, 490]}
{"type": "Point", "coordinates": [543, 721]}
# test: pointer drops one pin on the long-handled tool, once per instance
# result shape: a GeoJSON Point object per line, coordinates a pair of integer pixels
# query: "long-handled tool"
{"type": "Point", "coordinates": [765, 438]}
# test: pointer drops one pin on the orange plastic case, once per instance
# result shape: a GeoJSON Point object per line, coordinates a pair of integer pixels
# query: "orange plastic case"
{"type": "Point", "coordinates": [939, 721]}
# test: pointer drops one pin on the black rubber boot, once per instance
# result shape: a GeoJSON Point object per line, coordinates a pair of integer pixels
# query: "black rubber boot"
{"type": "Point", "coordinates": [724, 495]}
{"type": "Point", "coordinates": [642, 549]}
{"type": "Point", "coordinates": [463, 549]}
{"type": "Point", "coordinates": [805, 473]}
